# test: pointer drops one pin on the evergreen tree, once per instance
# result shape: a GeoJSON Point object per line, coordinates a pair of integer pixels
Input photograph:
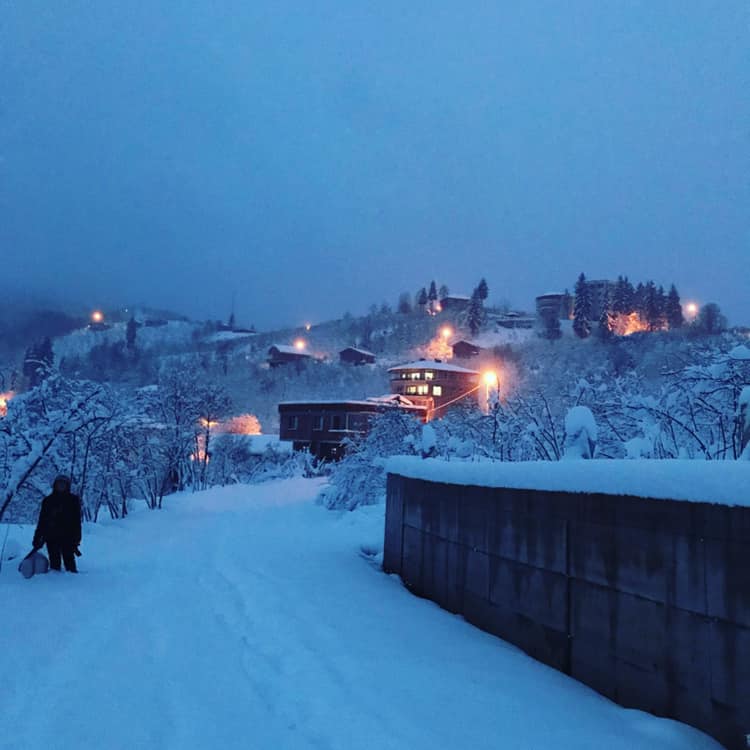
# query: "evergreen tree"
{"type": "Point", "coordinates": [651, 304]}
{"type": "Point", "coordinates": [673, 309]}
{"type": "Point", "coordinates": [622, 300]}
{"type": "Point", "coordinates": [443, 292]}
{"type": "Point", "coordinates": [606, 330]}
{"type": "Point", "coordinates": [710, 319]}
{"type": "Point", "coordinates": [639, 300]}
{"type": "Point", "coordinates": [404, 303]}
{"type": "Point", "coordinates": [475, 313]}
{"type": "Point", "coordinates": [582, 310]}
{"type": "Point", "coordinates": [422, 298]}
{"type": "Point", "coordinates": [483, 290]}
{"type": "Point", "coordinates": [130, 333]}
{"type": "Point", "coordinates": [432, 295]}
{"type": "Point", "coordinates": [232, 321]}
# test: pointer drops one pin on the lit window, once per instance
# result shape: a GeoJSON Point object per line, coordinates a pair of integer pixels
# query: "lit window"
{"type": "Point", "coordinates": [318, 423]}
{"type": "Point", "coordinates": [292, 423]}
{"type": "Point", "coordinates": [411, 389]}
{"type": "Point", "coordinates": [415, 375]}
{"type": "Point", "coordinates": [429, 375]}
{"type": "Point", "coordinates": [437, 390]}
{"type": "Point", "coordinates": [423, 390]}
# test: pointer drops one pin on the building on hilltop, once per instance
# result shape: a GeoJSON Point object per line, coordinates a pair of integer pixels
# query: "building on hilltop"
{"type": "Point", "coordinates": [433, 383]}
{"type": "Point", "coordinates": [322, 426]}
{"type": "Point", "coordinates": [281, 354]}
{"type": "Point", "coordinates": [455, 303]}
{"type": "Point", "coordinates": [554, 304]}
{"type": "Point", "coordinates": [353, 356]}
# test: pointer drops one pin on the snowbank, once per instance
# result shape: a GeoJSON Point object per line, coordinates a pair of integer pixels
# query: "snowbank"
{"type": "Point", "coordinates": [717, 482]}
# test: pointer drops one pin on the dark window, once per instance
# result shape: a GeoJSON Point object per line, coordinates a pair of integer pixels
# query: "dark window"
{"type": "Point", "coordinates": [337, 422]}
{"type": "Point", "coordinates": [292, 423]}
{"type": "Point", "coordinates": [317, 423]}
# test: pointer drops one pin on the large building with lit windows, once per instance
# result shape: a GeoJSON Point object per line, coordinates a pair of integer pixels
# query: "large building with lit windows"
{"type": "Point", "coordinates": [434, 384]}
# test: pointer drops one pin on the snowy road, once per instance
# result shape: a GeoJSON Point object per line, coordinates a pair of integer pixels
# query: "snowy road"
{"type": "Point", "coordinates": [247, 617]}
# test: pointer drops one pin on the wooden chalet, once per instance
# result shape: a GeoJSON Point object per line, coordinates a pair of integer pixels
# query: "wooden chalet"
{"type": "Point", "coordinates": [322, 426]}
{"type": "Point", "coordinates": [281, 354]}
{"type": "Point", "coordinates": [464, 349]}
{"type": "Point", "coordinates": [353, 356]}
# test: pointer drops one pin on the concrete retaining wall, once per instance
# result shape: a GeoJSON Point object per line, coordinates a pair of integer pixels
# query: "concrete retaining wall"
{"type": "Point", "coordinates": [647, 601]}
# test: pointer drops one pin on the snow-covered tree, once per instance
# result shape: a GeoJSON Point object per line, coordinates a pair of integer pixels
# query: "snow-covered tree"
{"type": "Point", "coordinates": [582, 310]}
{"type": "Point", "coordinates": [404, 303]}
{"type": "Point", "coordinates": [359, 478]}
{"type": "Point", "coordinates": [475, 313]}
{"type": "Point", "coordinates": [710, 319]}
{"type": "Point", "coordinates": [673, 309]}
{"type": "Point", "coordinates": [483, 290]}
{"type": "Point", "coordinates": [580, 433]}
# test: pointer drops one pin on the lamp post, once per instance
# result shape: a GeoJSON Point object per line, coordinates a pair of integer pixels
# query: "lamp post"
{"type": "Point", "coordinates": [491, 381]}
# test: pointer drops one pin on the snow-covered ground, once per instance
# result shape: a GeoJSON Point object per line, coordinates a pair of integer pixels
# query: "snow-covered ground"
{"type": "Point", "coordinates": [249, 617]}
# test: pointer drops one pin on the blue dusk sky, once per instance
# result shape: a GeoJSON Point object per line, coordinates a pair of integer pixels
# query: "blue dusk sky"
{"type": "Point", "coordinates": [316, 157]}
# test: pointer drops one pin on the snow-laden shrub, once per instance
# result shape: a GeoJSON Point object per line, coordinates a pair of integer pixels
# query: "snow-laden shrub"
{"type": "Point", "coordinates": [359, 477]}
{"type": "Point", "coordinates": [236, 460]}
{"type": "Point", "coordinates": [580, 433]}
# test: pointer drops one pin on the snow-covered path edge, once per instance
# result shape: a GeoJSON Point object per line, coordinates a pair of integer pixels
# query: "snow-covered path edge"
{"type": "Point", "coordinates": [248, 617]}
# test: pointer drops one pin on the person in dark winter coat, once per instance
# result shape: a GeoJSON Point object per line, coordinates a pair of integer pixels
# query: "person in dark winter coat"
{"type": "Point", "coordinates": [59, 525]}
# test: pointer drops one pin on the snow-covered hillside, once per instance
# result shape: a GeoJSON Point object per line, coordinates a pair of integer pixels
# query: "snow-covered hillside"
{"type": "Point", "coordinates": [175, 334]}
{"type": "Point", "coordinates": [249, 617]}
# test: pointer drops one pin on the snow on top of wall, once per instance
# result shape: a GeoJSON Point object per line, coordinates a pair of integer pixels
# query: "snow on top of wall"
{"type": "Point", "coordinates": [717, 482]}
{"type": "Point", "coordinates": [428, 364]}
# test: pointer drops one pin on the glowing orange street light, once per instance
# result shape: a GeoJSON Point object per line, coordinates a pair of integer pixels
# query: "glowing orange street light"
{"type": "Point", "coordinates": [691, 309]}
{"type": "Point", "coordinates": [300, 344]}
{"type": "Point", "coordinates": [446, 332]}
{"type": "Point", "coordinates": [97, 316]}
{"type": "Point", "coordinates": [490, 381]}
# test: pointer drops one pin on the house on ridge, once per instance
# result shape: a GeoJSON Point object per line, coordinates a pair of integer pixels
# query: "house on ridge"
{"type": "Point", "coordinates": [281, 354]}
{"type": "Point", "coordinates": [354, 356]}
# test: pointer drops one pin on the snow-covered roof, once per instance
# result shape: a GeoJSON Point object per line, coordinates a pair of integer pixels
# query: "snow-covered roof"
{"type": "Point", "coordinates": [286, 349]}
{"type": "Point", "coordinates": [391, 400]}
{"type": "Point", "coordinates": [359, 351]}
{"type": "Point", "coordinates": [428, 364]}
{"type": "Point", "coordinates": [716, 482]}
{"type": "Point", "coordinates": [455, 296]}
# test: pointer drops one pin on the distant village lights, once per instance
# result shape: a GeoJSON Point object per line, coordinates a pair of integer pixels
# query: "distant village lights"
{"type": "Point", "coordinates": [308, 326]}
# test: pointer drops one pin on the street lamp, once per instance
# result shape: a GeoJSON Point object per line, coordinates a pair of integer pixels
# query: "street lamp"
{"type": "Point", "coordinates": [97, 316]}
{"type": "Point", "coordinates": [446, 332]}
{"type": "Point", "coordinates": [491, 381]}
{"type": "Point", "coordinates": [299, 344]}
